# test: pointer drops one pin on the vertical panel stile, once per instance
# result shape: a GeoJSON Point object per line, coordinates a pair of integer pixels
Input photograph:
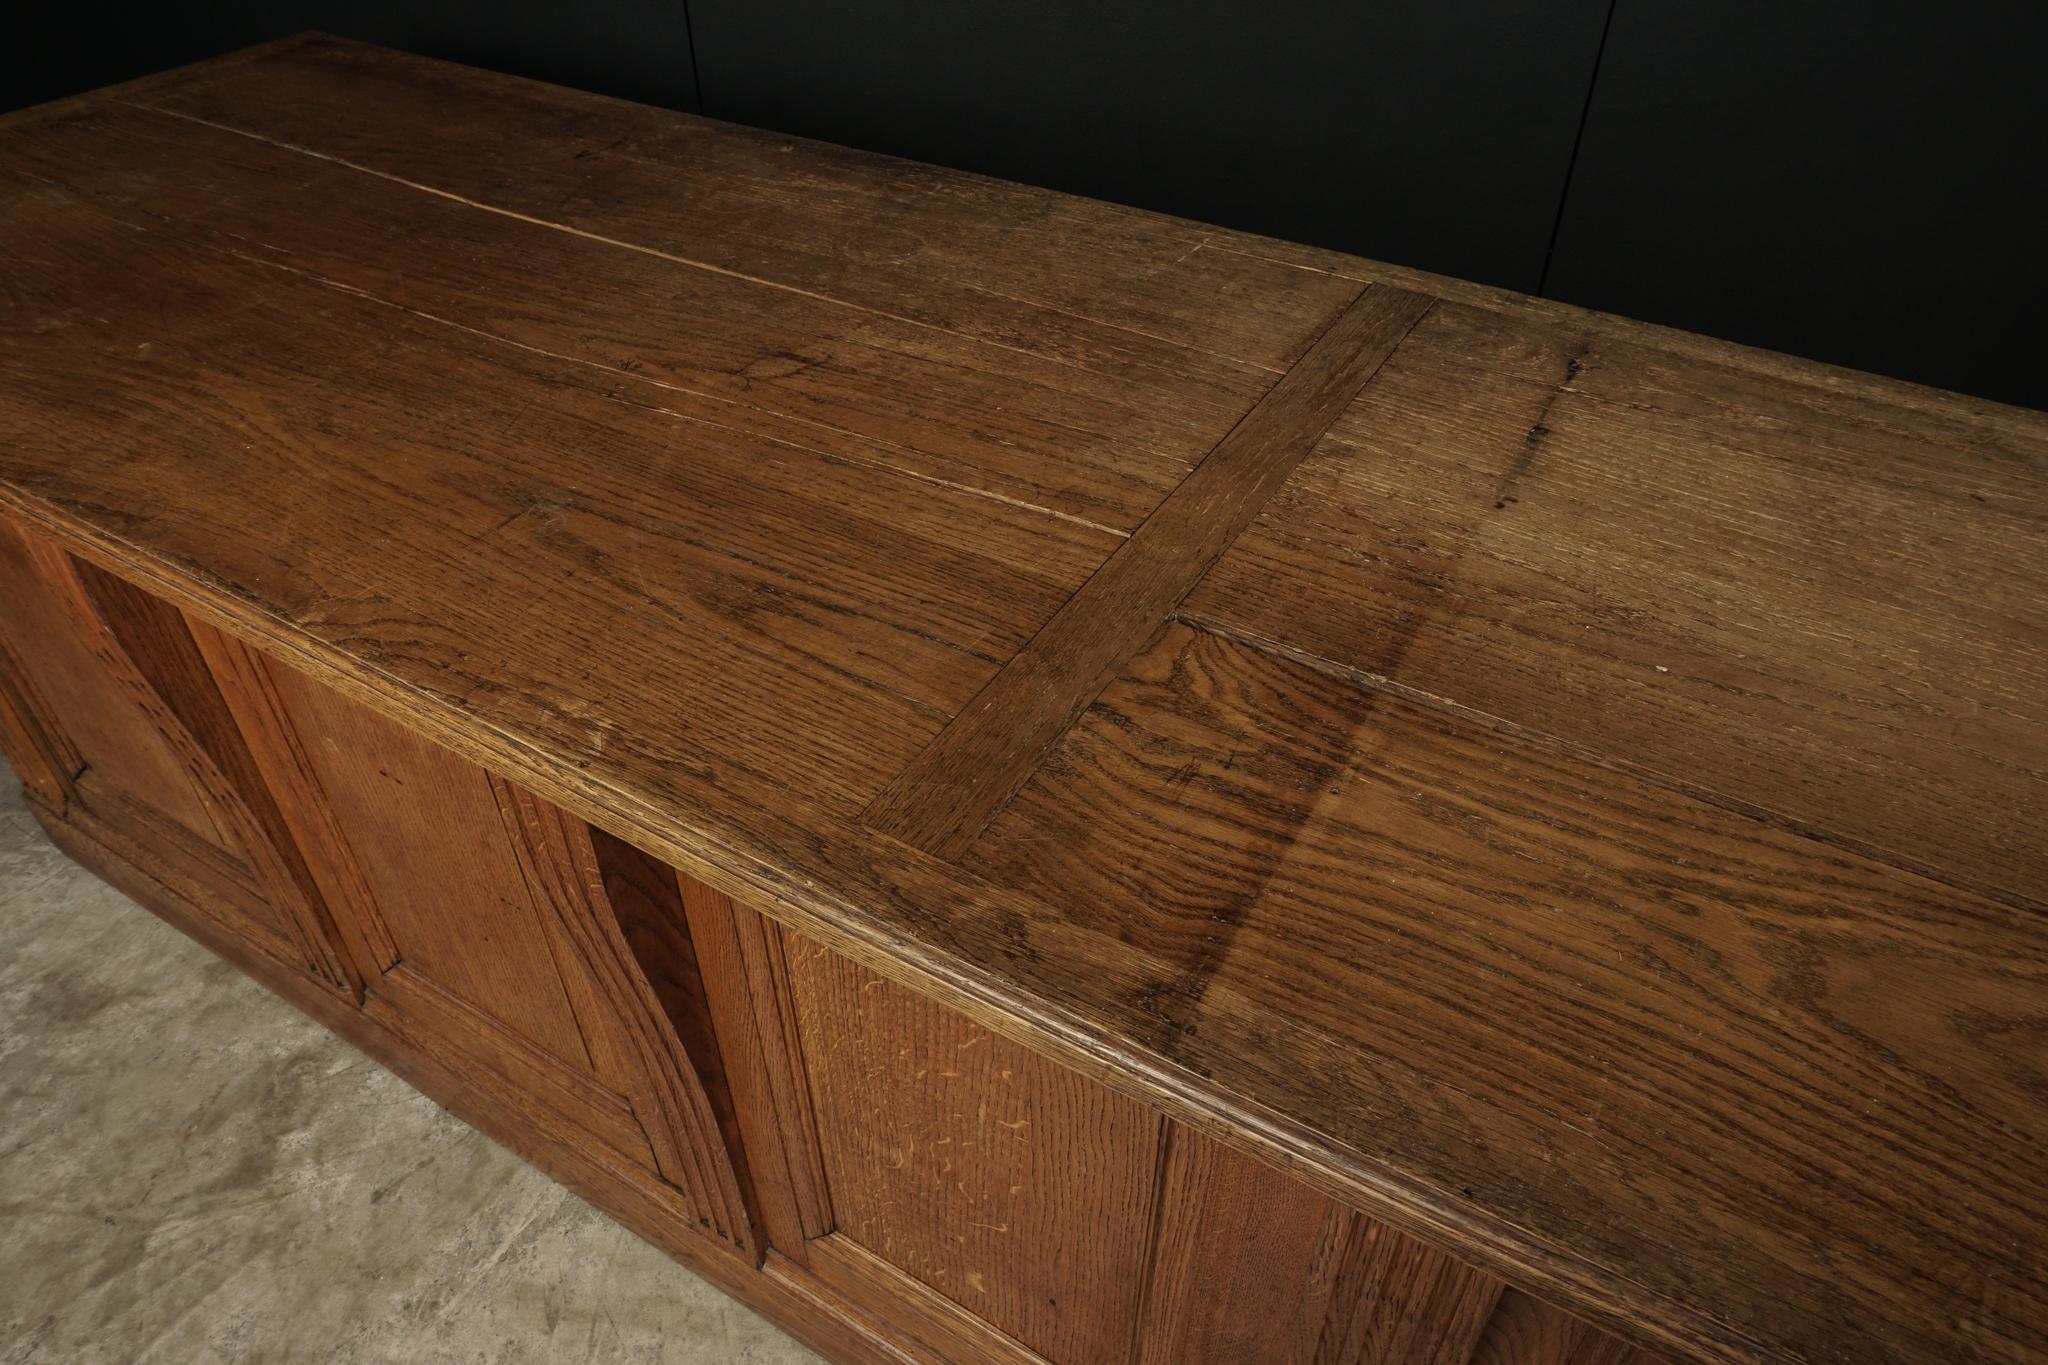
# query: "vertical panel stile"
{"type": "Point", "coordinates": [667, 1084]}
{"type": "Point", "coordinates": [746, 990]}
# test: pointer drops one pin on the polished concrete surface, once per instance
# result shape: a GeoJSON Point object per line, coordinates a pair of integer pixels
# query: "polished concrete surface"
{"type": "Point", "coordinates": [190, 1170]}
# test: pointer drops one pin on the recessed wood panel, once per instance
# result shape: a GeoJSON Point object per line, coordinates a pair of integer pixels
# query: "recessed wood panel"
{"type": "Point", "coordinates": [615, 920]}
{"type": "Point", "coordinates": [748, 1002]}
{"type": "Point", "coordinates": [162, 658]}
{"type": "Point", "coordinates": [1254, 1268]}
{"type": "Point", "coordinates": [167, 770]}
{"type": "Point", "coordinates": [1243, 1263]}
{"type": "Point", "coordinates": [1526, 1331]}
{"type": "Point", "coordinates": [123, 752]}
{"type": "Point", "coordinates": [1395, 1299]}
{"type": "Point", "coordinates": [427, 833]}
{"type": "Point", "coordinates": [1016, 1188]}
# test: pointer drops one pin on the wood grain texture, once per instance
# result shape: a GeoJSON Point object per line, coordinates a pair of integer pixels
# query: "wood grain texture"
{"type": "Point", "coordinates": [249, 684]}
{"type": "Point", "coordinates": [54, 654]}
{"type": "Point", "coordinates": [1824, 1062]}
{"type": "Point", "coordinates": [865, 612]}
{"type": "Point", "coordinates": [1524, 1331]}
{"type": "Point", "coordinates": [1599, 542]}
{"type": "Point", "coordinates": [1622, 985]}
{"type": "Point", "coordinates": [929, 1327]}
{"type": "Point", "coordinates": [621, 916]}
{"type": "Point", "coordinates": [158, 656]}
{"type": "Point", "coordinates": [863, 386]}
{"type": "Point", "coordinates": [1243, 1265]}
{"type": "Point", "coordinates": [1253, 1266]}
{"type": "Point", "coordinates": [796, 1281]}
{"type": "Point", "coordinates": [41, 755]}
{"type": "Point", "coordinates": [459, 937]}
{"type": "Point", "coordinates": [753, 1015]}
{"type": "Point", "coordinates": [445, 883]}
{"type": "Point", "coordinates": [653, 1091]}
{"type": "Point", "coordinates": [112, 707]}
{"type": "Point", "coordinates": [944, 799]}
{"type": "Point", "coordinates": [504, 1112]}
{"type": "Point", "coordinates": [1115, 290]}
{"type": "Point", "coordinates": [1013, 1187]}
{"type": "Point", "coordinates": [1397, 1300]}
{"type": "Point", "coordinates": [300, 817]}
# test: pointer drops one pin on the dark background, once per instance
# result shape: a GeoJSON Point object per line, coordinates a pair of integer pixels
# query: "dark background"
{"type": "Point", "coordinates": [1861, 182]}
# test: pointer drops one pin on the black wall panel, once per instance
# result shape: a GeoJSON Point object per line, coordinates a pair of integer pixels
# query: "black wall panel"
{"type": "Point", "coordinates": [636, 49]}
{"type": "Point", "coordinates": [1862, 183]}
{"type": "Point", "coordinates": [1430, 133]}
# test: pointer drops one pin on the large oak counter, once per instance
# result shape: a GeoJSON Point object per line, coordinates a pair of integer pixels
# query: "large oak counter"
{"type": "Point", "coordinates": [1021, 780]}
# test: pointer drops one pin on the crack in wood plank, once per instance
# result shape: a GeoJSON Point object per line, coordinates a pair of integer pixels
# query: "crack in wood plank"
{"type": "Point", "coordinates": [693, 263]}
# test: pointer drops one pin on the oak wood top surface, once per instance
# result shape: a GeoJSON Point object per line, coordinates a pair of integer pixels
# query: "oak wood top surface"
{"type": "Point", "coordinates": [1571, 789]}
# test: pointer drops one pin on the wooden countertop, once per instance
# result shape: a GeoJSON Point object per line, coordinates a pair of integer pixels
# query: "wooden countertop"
{"type": "Point", "coordinates": [1572, 789]}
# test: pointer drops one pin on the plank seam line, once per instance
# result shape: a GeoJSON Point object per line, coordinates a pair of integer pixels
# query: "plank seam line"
{"type": "Point", "coordinates": [968, 774]}
{"type": "Point", "coordinates": [1554, 743]}
{"type": "Point", "coordinates": [690, 262]}
{"type": "Point", "coordinates": [820, 450]}
{"type": "Point", "coordinates": [840, 457]}
{"type": "Point", "coordinates": [1571, 165]}
{"type": "Point", "coordinates": [1162, 1165]}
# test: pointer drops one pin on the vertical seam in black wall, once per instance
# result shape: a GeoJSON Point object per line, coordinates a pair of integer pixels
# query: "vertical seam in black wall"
{"type": "Point", "coordinates": [697, 79]}
{"type": "Point", "coordinates": [1571, 164]}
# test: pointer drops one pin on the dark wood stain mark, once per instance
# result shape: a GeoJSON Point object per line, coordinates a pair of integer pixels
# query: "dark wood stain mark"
{"type": "Point", "coordinates": [950, 792]}
{"type": "Point", "coordinates": [646, 897]}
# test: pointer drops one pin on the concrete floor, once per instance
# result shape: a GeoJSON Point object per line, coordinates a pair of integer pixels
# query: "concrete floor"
{"type": "Point", "coordinates": [190, 1170]}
